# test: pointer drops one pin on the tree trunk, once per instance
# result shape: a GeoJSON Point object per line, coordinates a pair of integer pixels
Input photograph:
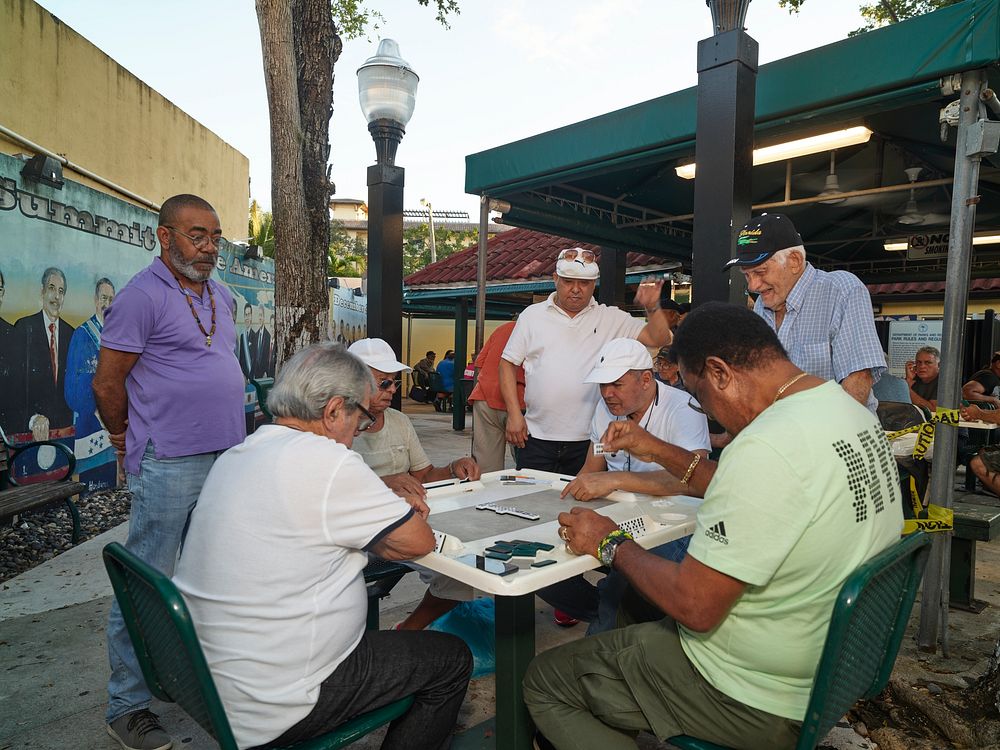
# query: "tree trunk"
{"type": "Point", "coordinates": [299, 44]}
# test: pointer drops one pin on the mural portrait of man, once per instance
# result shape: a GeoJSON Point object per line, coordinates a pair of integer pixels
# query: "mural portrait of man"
{"type": "Point", "coordinates": [260, 345]}
{"type": "Point", "coordinates": [41, 343]}
{"type": "Point", "coordinates": [244, 354]}
{"type": "Point", "coordinates": [94, 452]}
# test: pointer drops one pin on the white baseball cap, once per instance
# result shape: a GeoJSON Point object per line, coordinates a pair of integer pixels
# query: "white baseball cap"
{"type": "Point", "coordinates": [617, 357]}
{"type": "Point", "coordinates": [377, 354]}
{"type": "Point", "coordinates": [577, 269]}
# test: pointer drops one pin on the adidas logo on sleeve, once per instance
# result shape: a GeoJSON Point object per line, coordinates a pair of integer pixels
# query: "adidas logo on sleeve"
{"type": "Point", "coordinates": [717, 532]}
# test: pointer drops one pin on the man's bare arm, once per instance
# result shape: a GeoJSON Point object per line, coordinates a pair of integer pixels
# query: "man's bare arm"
{"type": "Point", "coordinates": [109, 391]}
{"type": "Point", "coordinates": [974, 391]}
{"type": "Point", "coordinates": [412, 539]}
{"type": "Point", "coordinates": [627, 435]}
{"type": "Point", "coordinates": [517, 428]}
{"type": "Point", "coordinates": [858, 385]}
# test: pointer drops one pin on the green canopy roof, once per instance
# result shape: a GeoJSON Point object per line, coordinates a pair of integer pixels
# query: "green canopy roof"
{"type": "Point", "coordinates": [611, 180]}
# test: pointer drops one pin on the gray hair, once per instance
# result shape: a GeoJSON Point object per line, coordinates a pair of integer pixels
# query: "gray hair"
{"type": "Point", "coordinates": [52, 271]}
{"type": "Point", "coordinates": [929, 350]}
{"type": "Point", "coordinates": [103, 281]}
{"type": "Point", "coordinates": [313, 376]}
{"type": "Point", "coordinates": [781, 257]}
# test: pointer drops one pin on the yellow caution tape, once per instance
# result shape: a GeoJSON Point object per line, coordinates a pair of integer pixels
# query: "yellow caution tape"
{"type": "Point", "coordinates": [926, 430]}
{"type": "Point", "coordinates": [937, 519]}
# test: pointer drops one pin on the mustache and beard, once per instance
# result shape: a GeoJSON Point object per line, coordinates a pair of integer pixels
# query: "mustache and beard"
{"type": "Point", "coordinates": [186, 268]}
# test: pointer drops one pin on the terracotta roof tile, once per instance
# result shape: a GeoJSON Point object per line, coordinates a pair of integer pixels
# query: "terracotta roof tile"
{"type": "Point", "coordinates": [517, 255]}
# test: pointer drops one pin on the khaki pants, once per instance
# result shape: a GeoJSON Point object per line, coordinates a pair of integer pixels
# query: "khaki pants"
{"type": "Point", "coordinates": [489, 441]}
{"type": "Point", "coordinates": [599, 692]}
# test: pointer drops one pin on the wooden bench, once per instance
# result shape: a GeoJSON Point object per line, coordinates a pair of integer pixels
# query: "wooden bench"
{"type": "Point", "coordinates": [17, 498]}
{"type": "Point", "coordinates": [977, 519]}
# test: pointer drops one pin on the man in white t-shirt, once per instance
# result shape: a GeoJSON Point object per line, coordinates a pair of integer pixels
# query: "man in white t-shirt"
{"type": "Point", "coordinates": [806, 492]}
{"type": "Point", "coordinates": [624, 374]}
{"type": "Point", "coordinates": [555, 339]}
{"type": "Point", "coordinates": [271, 570]}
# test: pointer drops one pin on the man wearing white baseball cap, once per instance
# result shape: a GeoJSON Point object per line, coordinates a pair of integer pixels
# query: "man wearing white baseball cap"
{"type": "Point", "coordinates": [624, 374]}
{"type": "Point", "coordinates": [557, 339]}
{"type": "Point", "coordinates": [392, 450]}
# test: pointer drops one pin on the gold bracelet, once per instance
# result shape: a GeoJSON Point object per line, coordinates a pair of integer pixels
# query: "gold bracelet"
{"type": "Point", "coordinates": [690, 471]}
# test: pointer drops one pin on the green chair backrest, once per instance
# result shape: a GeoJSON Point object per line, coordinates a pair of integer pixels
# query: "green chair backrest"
{"type": "Point", "coordinates": [869, 619]}
{"type": "Point", "coordinates": [165, 641]}
{"type": "Point", "coordinates": [263, 387]}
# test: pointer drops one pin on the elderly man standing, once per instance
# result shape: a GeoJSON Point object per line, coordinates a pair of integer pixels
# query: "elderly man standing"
{"type": "Point", "coordinates": [170, 393]}
{"type": "Point", "coordinates": [823, 319]}
{"type": "Point", "coordinates": [747, 610]}
{"type": "Point", "coordinates": [280, 606]}
{"type": "Point", "coordinates": [556, 341]}
{"type": "Point", "coordinates": [922, 377]}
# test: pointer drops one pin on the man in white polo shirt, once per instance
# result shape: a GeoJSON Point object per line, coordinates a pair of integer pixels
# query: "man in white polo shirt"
{"type": "Point", "coordinates": [555, 340]}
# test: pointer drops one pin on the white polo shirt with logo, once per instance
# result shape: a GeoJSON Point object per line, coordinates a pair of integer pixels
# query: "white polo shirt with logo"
{"type": "Point", "coordinates": [557, 351]}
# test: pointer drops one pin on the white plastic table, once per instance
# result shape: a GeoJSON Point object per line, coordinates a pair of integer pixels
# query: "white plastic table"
{"type": "Point", "coordinates": [664, 519]}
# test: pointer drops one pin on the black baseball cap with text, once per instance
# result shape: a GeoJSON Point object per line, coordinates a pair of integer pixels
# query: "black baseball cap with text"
{"type": "Point", "coordinates": [762, 237]}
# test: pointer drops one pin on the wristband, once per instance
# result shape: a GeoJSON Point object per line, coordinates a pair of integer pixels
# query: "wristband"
{"type": "Point", "coordinates": [655, 309]}
{"type": "Point", "coordinates": [690, 469]}
{"type": "Point", "coordinates": [604, 542]}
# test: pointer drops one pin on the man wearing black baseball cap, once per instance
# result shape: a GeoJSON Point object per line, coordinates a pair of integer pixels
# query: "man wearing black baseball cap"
{"type": "Point", "coordinates": [823, 319]}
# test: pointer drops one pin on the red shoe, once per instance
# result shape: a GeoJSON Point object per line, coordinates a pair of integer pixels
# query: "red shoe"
{"type": "Point", "coordinates": [562, 619]}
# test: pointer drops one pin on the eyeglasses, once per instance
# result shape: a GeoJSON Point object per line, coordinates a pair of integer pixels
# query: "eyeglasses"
{"type": "Point", "coordinates": [367, 422]}
{"type": "Point", "coordinates": [587, 256]}
{"type": "Point", "coordinates": [388, 383]}
{"type": "Point", "coordinates": [200, 241]}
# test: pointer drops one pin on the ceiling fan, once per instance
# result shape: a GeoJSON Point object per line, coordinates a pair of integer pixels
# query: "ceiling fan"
{"type": "Point", "coordinates": [912, 214]}
{"type": "Point", "coordinates": [832, 191]}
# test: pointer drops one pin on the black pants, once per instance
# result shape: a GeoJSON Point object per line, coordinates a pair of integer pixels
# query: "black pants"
{"type": "Point", "coordinates": [388, 665]}
{"type": "Point", "coordinates": [559, 456]}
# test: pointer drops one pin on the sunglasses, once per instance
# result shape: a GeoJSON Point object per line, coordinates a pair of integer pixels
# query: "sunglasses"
{"type": "Point", "coordinates": [587, 256]}
{"type": "Point", "coordinates": [385, 385]}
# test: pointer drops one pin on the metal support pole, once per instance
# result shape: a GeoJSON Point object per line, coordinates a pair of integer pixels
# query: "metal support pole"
{"type": "Point", "coordinates": [727, 81]}
{"type": "Point", "coordinates": [484, 225]}
{"type": "Point", "coordinates": [612, 267]}
{"type": "Point", "coordinates": [385, 257]}
{"type": "Point", "coordinates": [461, 357]}
{"type": "Point", "coordinates": [515, 648]}
{"type": "Point", "coordinates": [968, 154]}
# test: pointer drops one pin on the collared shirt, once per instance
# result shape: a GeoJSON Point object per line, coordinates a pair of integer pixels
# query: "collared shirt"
{"type": "Point", "coordinates": [184, 396]}
{"type": "Point", "coordinates": [488, 386]}
{"type": "Point", "coordinates": [828, 329]}
{"type": "Point", "coordinates": [557, 352]}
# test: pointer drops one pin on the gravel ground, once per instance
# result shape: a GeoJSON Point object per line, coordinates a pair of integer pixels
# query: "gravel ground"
{"type": "Point", "coordinates": [41, 535]}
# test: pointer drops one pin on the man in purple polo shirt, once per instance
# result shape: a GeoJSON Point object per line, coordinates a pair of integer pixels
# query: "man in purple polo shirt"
{"type": "Point", "coordinates": [169, 390]}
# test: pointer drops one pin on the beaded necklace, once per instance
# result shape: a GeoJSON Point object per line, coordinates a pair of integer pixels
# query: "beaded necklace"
{"type": "Point", "coordinates": [211, 298]}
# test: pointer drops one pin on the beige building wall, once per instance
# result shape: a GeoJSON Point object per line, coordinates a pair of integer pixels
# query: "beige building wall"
{"type": "Point", "coordinates": [61, 92]}
{"type": "Point", "coordinates": [432, 334]}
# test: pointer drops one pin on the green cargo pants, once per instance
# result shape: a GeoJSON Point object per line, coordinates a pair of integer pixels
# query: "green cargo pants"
{"type": "Point", "coordinates": [599, 692]}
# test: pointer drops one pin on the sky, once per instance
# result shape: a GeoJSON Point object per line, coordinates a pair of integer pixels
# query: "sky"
{"type": "Point", "coordinates": [502, 72]}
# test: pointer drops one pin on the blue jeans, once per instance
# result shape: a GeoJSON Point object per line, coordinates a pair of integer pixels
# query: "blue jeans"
{"type": "Point", "coordinates": [163, 495]}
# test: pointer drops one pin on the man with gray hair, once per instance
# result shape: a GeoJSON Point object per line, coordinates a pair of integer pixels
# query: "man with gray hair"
{"type": "Point", "coordinates": [823, 319]}
{"type": "Point", "coordinates": [280, 606]}
{"type": "Point", "coordinates": [922, 377]}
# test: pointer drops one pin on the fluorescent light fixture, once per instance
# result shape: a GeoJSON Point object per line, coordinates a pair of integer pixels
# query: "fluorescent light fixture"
{"type": "Point", "coordinates": [895, 246]}
{"type": "Point", "coordinates": [801, 147]}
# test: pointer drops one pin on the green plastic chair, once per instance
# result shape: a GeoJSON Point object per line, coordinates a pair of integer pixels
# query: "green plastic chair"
{"type": "Point", "coordinates": [174, 666]}
{"type": "Point", "coordinates": [866, 630]}
{"type": "Point", "coordinates": [263, 386]}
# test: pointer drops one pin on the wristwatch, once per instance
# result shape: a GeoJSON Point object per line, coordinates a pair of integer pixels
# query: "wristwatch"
{"type": "Point", "coordinates": [609, 545]}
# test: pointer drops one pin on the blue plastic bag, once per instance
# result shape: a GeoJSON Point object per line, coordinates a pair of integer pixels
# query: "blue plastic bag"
{"type": "Point", "coordinates": [473, 622]}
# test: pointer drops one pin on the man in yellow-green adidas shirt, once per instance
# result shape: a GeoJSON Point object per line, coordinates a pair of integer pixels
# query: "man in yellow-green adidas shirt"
{"type": "Point", "coordinates": [806, 492]}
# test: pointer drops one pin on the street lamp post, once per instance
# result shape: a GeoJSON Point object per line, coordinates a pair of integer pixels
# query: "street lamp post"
{"type": "Point", "coordinates": [727, 79]}
{"type": "Point", "coordinates": [387, 88]}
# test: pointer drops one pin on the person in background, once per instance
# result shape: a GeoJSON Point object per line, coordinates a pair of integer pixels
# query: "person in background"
{"type": "Point", "coordinates": [822, 318]}
{"type": "Point", "coordinates": [489, 413]}
{"type": "Point", "coordinates": [423, 369]}
{"type": "Point", "coordinates": [558, 337]}
{"type": "Point", "coordinates": [922, 377]}
{"type": "Point", "coordinates": [666, 369]}
{"type": "Point", "coordinates": [446, 369]}
{"type": "Point", "coordinates": [984, 385]}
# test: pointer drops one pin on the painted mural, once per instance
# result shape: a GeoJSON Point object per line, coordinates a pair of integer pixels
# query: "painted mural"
{"type": "Point", "coordinates": [348, 314]}
{"type": "Point", "coordinates": [64, 254]}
